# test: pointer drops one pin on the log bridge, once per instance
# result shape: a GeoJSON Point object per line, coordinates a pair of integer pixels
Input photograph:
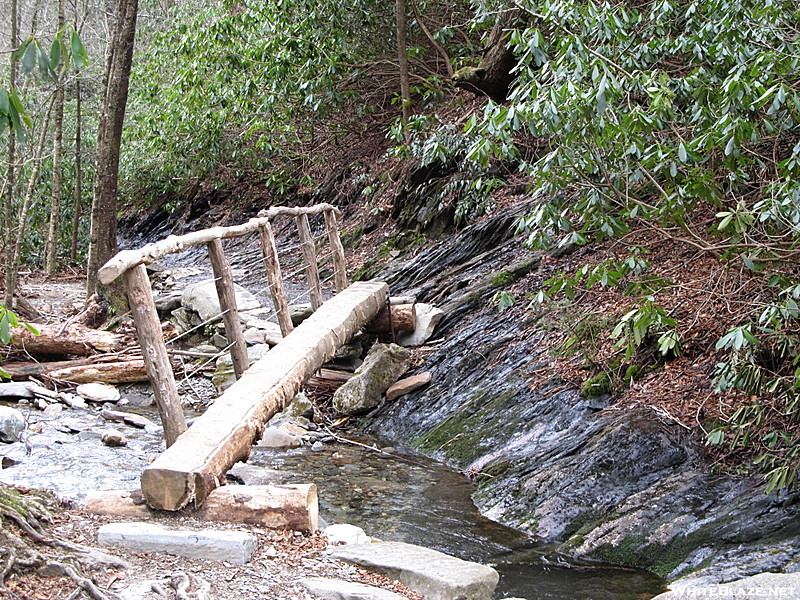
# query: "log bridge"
{"type": "Point", "coordinates": [197, 459]}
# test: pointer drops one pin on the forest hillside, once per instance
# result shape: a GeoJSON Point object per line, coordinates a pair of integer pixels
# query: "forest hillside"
{"type": "Point", "coordinates": [652, 147]}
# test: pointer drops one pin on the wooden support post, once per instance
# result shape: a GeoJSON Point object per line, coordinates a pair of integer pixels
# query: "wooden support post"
{"type": "Point", "coordinates": [337, 251]}
{"type": "Point", "coordinates": [159, 369]}
{"type": "Point", "coordinates": [223, 435]}
{"type": "Point", "coordinates": [310, 258]}
{"type": "Point", "coordinates": [275, 278]}
{"type": "Point", "coordinates": [223, 280]}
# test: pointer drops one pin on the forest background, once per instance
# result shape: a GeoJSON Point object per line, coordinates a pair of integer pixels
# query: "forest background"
{"type": "Point", "coordinates": [637, 129]}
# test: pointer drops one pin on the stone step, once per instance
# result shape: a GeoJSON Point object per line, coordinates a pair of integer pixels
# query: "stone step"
{"type": "Point", "coordinates": [338, 589]}
{"type": "Point", "coordinates": [211, 544]}
{"type": "Point", "coordinates": [435, 575]}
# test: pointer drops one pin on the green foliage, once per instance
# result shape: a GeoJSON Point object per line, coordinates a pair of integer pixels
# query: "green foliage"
{"type": "Point", "coordinates": [9, 320]}
{"type": "Point", "coordinates": [12, 113]}
{"type": "Point", "coordinates": [471, 177]}
{"type": "Point", "coordinates": [650, 113]}
{"type": "Point", "coordinates": [243, 84]}
{"type": "Point", "coordinates": [503, 300]}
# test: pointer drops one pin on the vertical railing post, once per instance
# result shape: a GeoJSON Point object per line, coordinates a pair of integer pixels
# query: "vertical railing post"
{"type": "Point", "coordinates": [154, 350]}
{"type": "Point", "coordinates": [310, 258]}
{"type": "Point", "coordinates": [275, 279]}
{"type": "Point", "coordinates": [223, 280]}
{"type": "Point", "coordinates": [337, 251]}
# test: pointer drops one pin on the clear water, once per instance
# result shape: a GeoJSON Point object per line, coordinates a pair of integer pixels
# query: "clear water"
{"type": "Point", "coordinates": [420, 501]}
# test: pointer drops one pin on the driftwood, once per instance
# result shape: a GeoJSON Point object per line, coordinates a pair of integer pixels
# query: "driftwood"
{"type": "Point", "coordinates": [196, 463]}
{"type": "Point", "coordinates": [66, 338]}
{"type": "Point", "coordinates": [292, 507]}
{"type": "Point", "coordinates": [327, 381]}
{"type": "Point", "coordinates": [128, 371]}
{"type": "Point", "coordinates": [403, 318]}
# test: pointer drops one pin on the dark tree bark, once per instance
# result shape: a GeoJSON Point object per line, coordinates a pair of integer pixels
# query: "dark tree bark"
{"type": "Point", "coordinates": [78, 196]}
{"type": "Point", "coordinates": [12, 158]}
{"type": "Point", "coordinates": [51, 246]}
{"type": "Point", "coordinates": [103, 237]}
{"type": "Point", "coordinates": [402, 57]}
{"type": "Point", "coordinates": [493, 76]}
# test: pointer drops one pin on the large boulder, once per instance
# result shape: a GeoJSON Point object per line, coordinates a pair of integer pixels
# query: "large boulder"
{"type": "Point", "coordinates": [12, 424]}
{"type": "Point", "coordinates": [383, 365]}
{"type": "Point", "coordinates": [202, 299]}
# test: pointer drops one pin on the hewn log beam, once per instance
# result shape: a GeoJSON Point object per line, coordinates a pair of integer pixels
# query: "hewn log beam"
{"type": "Point", "coordinates": [223, 435]}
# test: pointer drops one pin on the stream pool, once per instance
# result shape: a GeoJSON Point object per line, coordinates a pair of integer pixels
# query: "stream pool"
{"type": "Point", "coordinates": [398, 497]}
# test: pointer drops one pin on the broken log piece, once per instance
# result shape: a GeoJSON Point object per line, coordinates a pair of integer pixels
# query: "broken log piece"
{"type": "Point", "coordinates": [117, 503]}
{"type": "Point", "coordinates": [327, 381]}
{"type": "Point", "coordinates": [25, 370]}
{"type": "Point", "coordinates": [66, 338]}
{"type": "Point", "coordinates": [128, 371]}
{"type": "Point", "coordinates": [404, 318]}
{"type": "Point", "coordinates": [196, 464]}
{"type": "Point", "coordinates": [292, 507]}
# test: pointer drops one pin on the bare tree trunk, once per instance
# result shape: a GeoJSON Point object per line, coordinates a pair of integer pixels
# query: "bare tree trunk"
{"type": "Point", "coordinates": [13, 263]}
{"type": "Point", "coordinates": [12, 157]}
{"type": "Point", "coordinates": [402, 57]}
{"type": "Point", "coordinates": [76, 213]}
{"type": "Point", "coordinates": [51, 245]}
{"type": "Point", "coordinates": [103, 237]}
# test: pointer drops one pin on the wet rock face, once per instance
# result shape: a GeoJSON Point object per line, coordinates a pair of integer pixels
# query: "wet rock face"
{"type": "Point", "coordinates": [619, 485]}
{"type": "Point", "coordinates": [12, 424]}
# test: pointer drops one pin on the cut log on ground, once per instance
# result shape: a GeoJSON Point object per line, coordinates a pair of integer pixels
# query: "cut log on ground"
{"type": "Point", "coordinates": [196, 463]}
{"type": "Point", "coordinates": [113, 372]}
{"type": "Point", "coordinates": [67, 338]}
{"type": "Point", "coordinates": [403, 318]}
{"type": "Point", "coordinates": [292, 507]}
{"type": "Point", "coordinates": [327, 381]}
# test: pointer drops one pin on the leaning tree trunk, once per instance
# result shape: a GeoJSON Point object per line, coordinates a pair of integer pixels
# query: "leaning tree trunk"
{"type": "Point", "coordinates": [51, 245]}
{"type": "Point", "coordinates": [12, 156]}
{"type": "Point", "coordinates": [402, 57]}
{"type": "Point", "coordinates": [16, 247]}
{"type": "Point", "coordinates": [493, 76]}
{"type": "Point", "coordinates": [76, 212]}
{"type": "Point", "coordinates": [103, 237]}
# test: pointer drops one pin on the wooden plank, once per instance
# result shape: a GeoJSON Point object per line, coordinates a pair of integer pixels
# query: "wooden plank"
{"type": "Point", "coordinates": [223, 281]}
{"type": "Point", "coordinates": [337, 251]}
{"type": "Point", "coordinates": [275, 279]}
{"type": "Point", "coordinates": [310, 258]}
{"type": "Point", "coordinates": [175, 243]}
{"type": "Point", "coordinates": [223, 435]}
{"type": "Point", "coordinates": [154, 350]}
{"type": "Point", "coordinates": [128, 371]}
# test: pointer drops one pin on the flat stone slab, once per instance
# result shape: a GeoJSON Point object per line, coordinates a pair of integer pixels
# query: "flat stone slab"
{"type": "Point", "coordinates": [435, 575]}
{"type": "Point", "coordinates": [780, 586]}
{"type": "Point", "coordinates": [232, 546]}
{"type": "Point", "coordinates": [338, 589]}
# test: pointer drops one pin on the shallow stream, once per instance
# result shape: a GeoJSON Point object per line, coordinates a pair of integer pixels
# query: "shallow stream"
{"type": "Point", "coordinates": [397, 497]}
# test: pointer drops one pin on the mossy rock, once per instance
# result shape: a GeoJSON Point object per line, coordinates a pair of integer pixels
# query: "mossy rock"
{"type": "Point", "coordinates": [599, 385]}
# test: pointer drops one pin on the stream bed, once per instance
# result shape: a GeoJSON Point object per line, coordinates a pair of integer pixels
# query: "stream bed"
{"type": "Point", "coordinates": [396, 496]}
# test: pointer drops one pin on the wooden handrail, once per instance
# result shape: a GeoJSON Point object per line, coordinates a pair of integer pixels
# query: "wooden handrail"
{"type": "Point", "coordinates": [150, 253]}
